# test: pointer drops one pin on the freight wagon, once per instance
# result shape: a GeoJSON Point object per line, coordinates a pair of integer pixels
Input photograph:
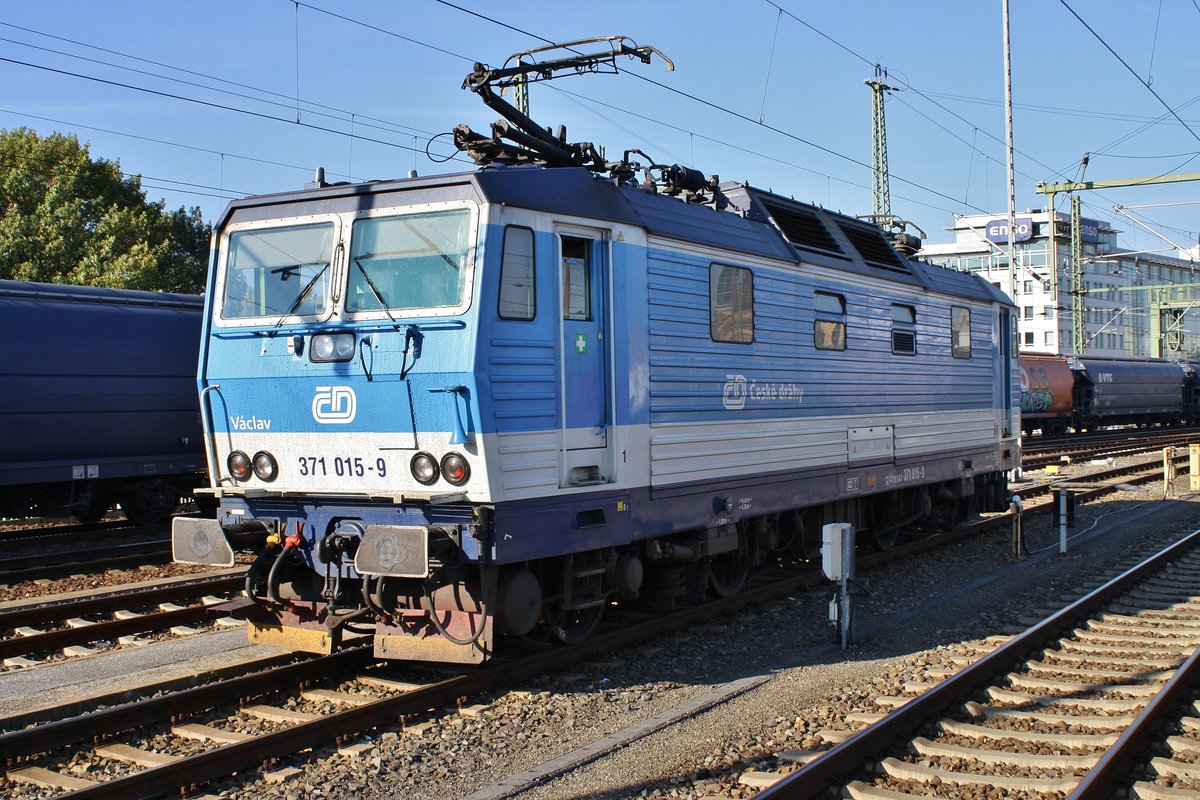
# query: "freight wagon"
{"type": "Point", "coordinates": [97, 401]}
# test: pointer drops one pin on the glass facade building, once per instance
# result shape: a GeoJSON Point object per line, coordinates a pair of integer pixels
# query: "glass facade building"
{"type": "Point", "coordinates": [1133, 303]}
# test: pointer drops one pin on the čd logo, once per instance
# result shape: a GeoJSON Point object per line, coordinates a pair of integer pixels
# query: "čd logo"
{"type": "Point", "coordinates": [334, 405]}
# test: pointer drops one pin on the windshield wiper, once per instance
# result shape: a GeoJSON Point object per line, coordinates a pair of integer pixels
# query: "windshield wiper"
{"type": "Point", "coordinates": [375, 290]}
{"type": "Point", "coordinates": [303, 294]}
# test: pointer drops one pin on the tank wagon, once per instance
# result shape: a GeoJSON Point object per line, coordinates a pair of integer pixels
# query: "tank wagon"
{"type": "Point", "coordinates": [97, 401]}
{"type": "Point", "coordinates": [1084, 393]}
{"type": "Point", "coordinates": [447, 408]}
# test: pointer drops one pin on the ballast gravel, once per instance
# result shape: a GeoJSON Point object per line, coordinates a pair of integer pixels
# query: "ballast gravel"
{"type": "Point", "coordinates": [921, 613]}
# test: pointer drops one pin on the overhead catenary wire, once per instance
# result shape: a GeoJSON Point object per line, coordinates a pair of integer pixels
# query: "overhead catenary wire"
{"type": "Point", "coordinates": [717, 107]}
{"type": "Point", "coordinates": [186, 71]}
{"type": "Point", "coordinates": [166, 142]}
{"type": "Point", "coordinates": [908, 86]}
{"type": "Point", "coordinates": [284, 102]}
{"type": "Point", "coordinates": [1056, 110]}
{"type": "Point", "coordinates": [127, 175]}
{"type": "Point", "coordinates": [355, 121]}
{"type": "Point", "coordinates": [927, 96]}
{"type": "Point", "coordinates": [210, 104]}
{"type": "Point", "coordinates": [742, 149]}
{"type": "Point", "coordinates": [1131, 70]}
{"type": "Point", "coordinates": [285, 97]}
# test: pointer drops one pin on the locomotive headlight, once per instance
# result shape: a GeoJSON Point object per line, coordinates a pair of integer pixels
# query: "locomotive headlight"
{"type": "Point", "coordinates": [455, 469]}
{"type": "Point", "coordinates": [265, 467]}
{"type": "Point", "coordinates": [424, 468]}
{"type": "Point", "coordinates": [331, 347]}
{"type": "Point", "coordinates": [239, 465]}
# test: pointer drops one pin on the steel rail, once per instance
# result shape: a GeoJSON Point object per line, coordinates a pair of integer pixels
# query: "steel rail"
{"type": "Point", "coordinates": [95, 558]}
{"type": "Point", "coordinates": [1123, 451]}
{"type": "Point", "coordinates": [19, 535]}
{"type": "Point", "coordinates": [55, 610]}
{"type": "Point", "coordinates": [1039, 444]}
{"type": "Point", "coordinates": [240, 756]}
{"type": "Point", "coordinates": [75, 556]}
{"type": "Point", "coordinates": [1153, 466]}
{"type": "Point", "coordinates": [99, 631]}
{"type": "Point", "coordinates": [49, 736]}
{"type": "Point", "coordinates": [1102, 781]}
{"type": "Point", "coordinates": [852, 755]}
{"type": "Point", "coordinates": [218, 762]}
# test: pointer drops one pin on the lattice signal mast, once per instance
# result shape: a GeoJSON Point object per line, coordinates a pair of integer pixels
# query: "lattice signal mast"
{"type": "Point", "coordinates": [882, 215]}
{"type": "Point", "coordinates": [893, 226]}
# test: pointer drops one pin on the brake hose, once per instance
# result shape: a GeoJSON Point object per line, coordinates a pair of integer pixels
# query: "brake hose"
{"type": "Point", "coordinates": [482, 612]}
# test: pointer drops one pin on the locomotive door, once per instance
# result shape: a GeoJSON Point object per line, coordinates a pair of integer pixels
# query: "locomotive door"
{"type": "Point", "coordinates": [583, 282]}
{"type": "Point", "coordinates": [1008, 339]}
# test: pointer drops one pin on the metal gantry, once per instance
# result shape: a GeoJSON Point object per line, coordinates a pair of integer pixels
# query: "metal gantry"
{"type": "Point", "coordinates": [1077, 291]}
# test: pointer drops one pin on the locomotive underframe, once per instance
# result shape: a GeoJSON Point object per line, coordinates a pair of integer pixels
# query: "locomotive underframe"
{"type": "Point", "coordinates": [480, 577]}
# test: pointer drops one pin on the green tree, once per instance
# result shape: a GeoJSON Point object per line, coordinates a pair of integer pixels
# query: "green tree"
{"type": "Point", "coordinates": [68, 218]}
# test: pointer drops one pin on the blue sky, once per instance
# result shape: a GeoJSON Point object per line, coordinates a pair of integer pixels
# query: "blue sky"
{"type": "Point", "coordinates": [376, 80]}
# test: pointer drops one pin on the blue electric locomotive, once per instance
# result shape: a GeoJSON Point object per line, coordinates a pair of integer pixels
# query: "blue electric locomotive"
{"type": "Point", "coordinates": [446, 408]}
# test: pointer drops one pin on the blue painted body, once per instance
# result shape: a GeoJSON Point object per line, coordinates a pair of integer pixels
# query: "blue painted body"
{"type": "Point", "coordinates": [96, 390]}
{"type": "Point", "coordinates": [680, 432]}
{"type": "Point", "coordinates": [1113, 390]}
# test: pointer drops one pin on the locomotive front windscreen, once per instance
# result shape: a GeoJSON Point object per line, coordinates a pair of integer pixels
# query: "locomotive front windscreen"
{"type": "Point", "coordinates": [409, 262]}
{"type": "Point", "coordinates": [281, 271]}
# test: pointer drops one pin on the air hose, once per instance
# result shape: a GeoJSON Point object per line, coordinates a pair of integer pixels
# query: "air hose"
{"type": "Point", "coordinates": [482, 612]}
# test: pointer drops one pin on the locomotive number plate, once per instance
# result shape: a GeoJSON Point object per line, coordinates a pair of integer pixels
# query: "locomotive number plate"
{"type": "Point", "coordinates": [347, 467]}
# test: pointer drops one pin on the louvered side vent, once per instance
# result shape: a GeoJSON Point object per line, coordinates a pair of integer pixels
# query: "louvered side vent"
{"type": "Point", "coordinates": [904, 342]}
{"type": "Point", "coordinates": [803, 229]}
{"type": "Point", "coordinates": [874, 248]}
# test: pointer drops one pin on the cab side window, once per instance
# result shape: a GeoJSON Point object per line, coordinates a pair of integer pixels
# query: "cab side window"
{"type": "Point", "coordinates": [829, 321]}
{"type": "Point", "coordinates": [518, 288]}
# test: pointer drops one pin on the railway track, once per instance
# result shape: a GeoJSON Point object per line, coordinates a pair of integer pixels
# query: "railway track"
{"type": "Point", "coordinates": [1041, 443]}
{"type": "Point", "coordinates": [266, 717]}
{"type": "Point", "coordinates": [1115, 445]}
{"type": "Point", "coordinates": [1101, 481]}
{"type": "Point", "coordinates": [48, 566]}
{"type": "Point", "coordinates": [350, 693]}
{"type": "Point", "coordinates": [115, 616]}
{"type": "Point", "coordinates": [15, 532]}
{"type": "Point", "coordinates": [49, 552]}
{"type": "Point", "coordinates": [302, 706]}
{"type": "Point", "coordinates": [1070, 707]}
{"type": "Point", "coordinates": [67, 558]}
{"type": "Point", "coordinates": [38, 630]}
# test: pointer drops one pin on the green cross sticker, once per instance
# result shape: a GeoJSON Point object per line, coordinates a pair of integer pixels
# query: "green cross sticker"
{"type": "Point", "coordinates": [581, 343]}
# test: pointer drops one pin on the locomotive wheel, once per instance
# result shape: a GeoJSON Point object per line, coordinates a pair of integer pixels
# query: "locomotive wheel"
{"type": "Point", "coordinates": [886, 514]}
{"type": "Point", "coordinates": [887, 539]}
{"type": "Point", "coordinates": [728, 572]}
{"type": "Point", "coordinates": [568, 625]}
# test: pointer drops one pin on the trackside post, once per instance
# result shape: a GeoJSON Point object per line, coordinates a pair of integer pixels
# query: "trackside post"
{"type": "Point", "coordinates": [1194, 467]}
{"type": "Point", "coordinates": [837, 562]}
{"type": "Point", "coordinates": [1017, 509]}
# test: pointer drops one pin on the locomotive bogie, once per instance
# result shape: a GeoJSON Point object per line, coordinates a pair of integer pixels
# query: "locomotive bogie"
{"type": "Point", "coordinates": [466, 406]}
